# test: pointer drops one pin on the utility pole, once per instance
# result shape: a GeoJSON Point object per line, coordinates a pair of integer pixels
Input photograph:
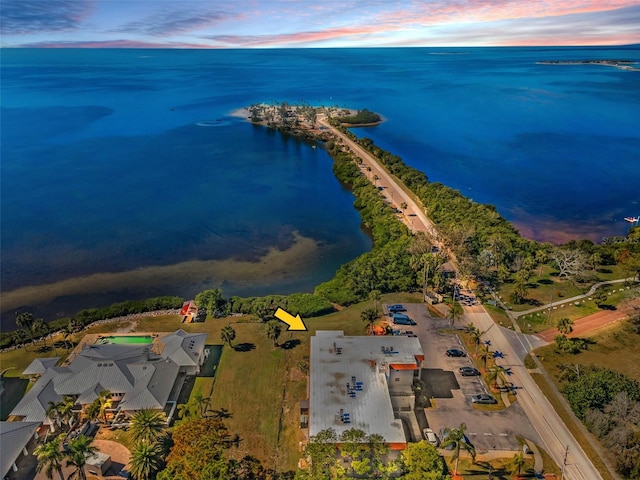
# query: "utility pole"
{"type": "Point", "coordinates": [564, 462]}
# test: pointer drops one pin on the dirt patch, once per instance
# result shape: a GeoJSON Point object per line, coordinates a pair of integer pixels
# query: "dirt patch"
{"type": "Point", "coordinates": [591, 323]}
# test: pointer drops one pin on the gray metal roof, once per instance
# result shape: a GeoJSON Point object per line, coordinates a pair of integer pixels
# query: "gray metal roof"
{"type": "Point", "coordinates": [14, 436]}
{"type": "Point", "coordinates": [362, 357]}
{"type": "Point", "coordinates": [185, 349]}
{"type": "Point", "coordinates": [144, 379]}
{"type": "Point", "coordinates": [33, 406]}
{"type": "Point", "coordinates": [40, 365]}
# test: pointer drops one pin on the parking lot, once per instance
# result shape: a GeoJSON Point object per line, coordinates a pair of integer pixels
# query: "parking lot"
{"type": "Point", "coordinates": [451, 392]}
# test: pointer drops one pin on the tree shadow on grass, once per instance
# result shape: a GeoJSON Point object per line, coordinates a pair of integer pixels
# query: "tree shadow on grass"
{"type": "Point", "coordinates": [290, 344]}
{"type": "Point", "coordinates": [244, 347]}
{"type": "Point", "coordinates": [545, 281]}
{"type": "Point", "coordinates": [606, 306]}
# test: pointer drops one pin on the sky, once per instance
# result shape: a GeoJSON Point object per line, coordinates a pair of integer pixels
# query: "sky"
{"type": "Point", "coordinates": [316, 24]}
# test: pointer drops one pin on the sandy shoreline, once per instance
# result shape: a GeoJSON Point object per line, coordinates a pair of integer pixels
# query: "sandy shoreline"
{"type": "Point", "coordinates": [276, 266]}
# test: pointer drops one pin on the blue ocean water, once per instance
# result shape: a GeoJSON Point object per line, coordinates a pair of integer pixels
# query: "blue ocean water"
{"type": "Point", "coordinates": [106, 164]}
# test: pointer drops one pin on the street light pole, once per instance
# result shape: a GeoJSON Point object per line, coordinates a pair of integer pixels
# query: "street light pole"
{"type": "Point", "coordinates": [564, 462]}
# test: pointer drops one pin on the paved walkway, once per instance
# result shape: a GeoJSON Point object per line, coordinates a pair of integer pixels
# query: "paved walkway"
{"type": "Point", "coordinates": [564, 301]}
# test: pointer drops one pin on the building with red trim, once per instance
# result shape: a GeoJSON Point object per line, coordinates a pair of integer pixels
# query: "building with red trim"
{"type": "Point", "coordinates": [363, 382]}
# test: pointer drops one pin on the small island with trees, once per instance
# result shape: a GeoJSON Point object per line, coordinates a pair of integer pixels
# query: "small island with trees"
{"type": "Point", "coordinates": [621, 64]}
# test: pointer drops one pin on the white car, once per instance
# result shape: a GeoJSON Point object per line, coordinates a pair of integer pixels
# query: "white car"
{"type": "Point", "coordinates": [430, 437]}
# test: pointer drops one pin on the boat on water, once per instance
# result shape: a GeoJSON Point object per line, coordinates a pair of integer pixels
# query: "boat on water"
{"type": "Point", "coordinates": [632, 219]}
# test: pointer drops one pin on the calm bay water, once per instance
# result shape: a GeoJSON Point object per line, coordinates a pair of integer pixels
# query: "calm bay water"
{"type": "Point", "coordinates": [107, 165]}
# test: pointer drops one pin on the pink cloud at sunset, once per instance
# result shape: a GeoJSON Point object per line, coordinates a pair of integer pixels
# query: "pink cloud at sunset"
{"type": "Point", "coordinates": [306, 23]}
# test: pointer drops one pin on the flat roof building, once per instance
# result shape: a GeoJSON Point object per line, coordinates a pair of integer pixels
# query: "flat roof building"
{"type": "Point", "coordinates": [359, 382]}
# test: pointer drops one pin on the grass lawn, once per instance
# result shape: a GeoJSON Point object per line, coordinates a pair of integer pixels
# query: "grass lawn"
{"type": "Point", "coordinates": [499, 468]}
{"type": "Point", "coordinates": [547, 287]}
{"type": "Point", "coordinates": [616, 347]}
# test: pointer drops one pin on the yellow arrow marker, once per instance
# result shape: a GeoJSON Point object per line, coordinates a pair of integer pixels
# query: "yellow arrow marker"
{"type": "Point", "coordinates": [295, 323]}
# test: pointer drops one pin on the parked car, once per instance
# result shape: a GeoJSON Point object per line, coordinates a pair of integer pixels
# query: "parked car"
{"type": "Point", "coordinates": [468, 371]}
{"type": "Point", "coordinates": [455, 352]}
{"type": "Point", "coordinates": [484, 398]}
{"type": "Point", "coordinates": [430, 437]}
{"type": "Point", "coordinates": [400, 319]}
{"type": "Point", "coordinates": [396, 308]}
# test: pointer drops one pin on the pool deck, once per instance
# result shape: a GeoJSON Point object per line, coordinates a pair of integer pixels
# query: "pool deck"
{"type": "Point", "coordinates": [91, 338]}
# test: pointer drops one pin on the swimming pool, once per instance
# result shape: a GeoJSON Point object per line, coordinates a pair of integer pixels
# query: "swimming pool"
{"type": "Point", "coordinates": [125, 339]}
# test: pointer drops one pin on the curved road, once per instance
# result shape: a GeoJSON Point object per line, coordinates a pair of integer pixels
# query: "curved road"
{"type": "Point", "coordinates": [556, 437]}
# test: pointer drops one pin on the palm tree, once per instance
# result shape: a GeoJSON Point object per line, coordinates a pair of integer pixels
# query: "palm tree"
{"type": "Point", "coordinates": [565, 326]}
{"type": "Point", "coordinates": [80, 449]}
{"type": "Point", "coordinates": [50, 457]}
{"type": "Point", "coordinates": [457, 437]}
{"type": "Point", "coordinates": [18, 338]}
{"type": "Point", "coordinates": [228, 334]}
{"type": "Point", "coordinates": [92, 412]}
{"type": "Point", "coordinates": [186, 410]}
{"type": "Point", "coordinates": [375, 296]}
{"type": "Point", "coordinates": [495, 374]}
{"type": "Point", "coordinates": [517, 463]}
{"type": "Point", "coordinates": [146, 461]}
{"type": "Point", "coordinates": [199, 402]}
{"type": "Point", "coordinates": [106, 403]}
{"type": "Point", "coordinates": [369, 316]}
{"type": "Point", "coordinates": [62, 412]}
{"type": "Point", "coordinates": [148, 426]}
{"type": "Point", "coordinates": [475, 336]}
{"type": "Point", "coordinates": [40, 328]}
{"type": "Point", "coordinates": [274, 329]}
{"type": "Point", "coordinates": [25, 321]}
{"type": "Point", "coordinates": [485, 355]}
{"type": "Point", "coordinates": [455, 311]}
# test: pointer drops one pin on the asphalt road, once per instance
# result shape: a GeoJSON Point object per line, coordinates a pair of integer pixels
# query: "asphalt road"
{"type": "Point", "coordinates": [554, 435]}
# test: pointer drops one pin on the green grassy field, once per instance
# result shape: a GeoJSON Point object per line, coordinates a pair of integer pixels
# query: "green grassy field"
{"type": "Point", "coordinates": [547, 287]}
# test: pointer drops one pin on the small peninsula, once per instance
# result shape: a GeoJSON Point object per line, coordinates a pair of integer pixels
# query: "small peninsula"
{"type": "Point", "coordinates": [621, 64]}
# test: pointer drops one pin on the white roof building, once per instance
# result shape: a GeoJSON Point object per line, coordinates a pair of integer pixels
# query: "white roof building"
{"type": "Point", "coordinates": [353, 382]}
{"type": "Point", "coordinates": [137, 378]}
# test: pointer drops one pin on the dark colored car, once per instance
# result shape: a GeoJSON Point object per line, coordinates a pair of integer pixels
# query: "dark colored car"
{"type": "Point", "coordinates": [468, 371]}
{"type": "Point", "coordinates": [396, 308]}
{"type": "Point", "coordinates": [483, 398]}
{"type": "Point", "coordinates": [455, 352]}
{"type": "Point", "coordinates": [400, 319]}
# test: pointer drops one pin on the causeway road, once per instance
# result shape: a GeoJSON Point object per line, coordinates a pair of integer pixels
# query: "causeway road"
{"type": "Point", "coordinates": [556, 437]}
{"type": "Point", "coordinates": [413, 216]}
